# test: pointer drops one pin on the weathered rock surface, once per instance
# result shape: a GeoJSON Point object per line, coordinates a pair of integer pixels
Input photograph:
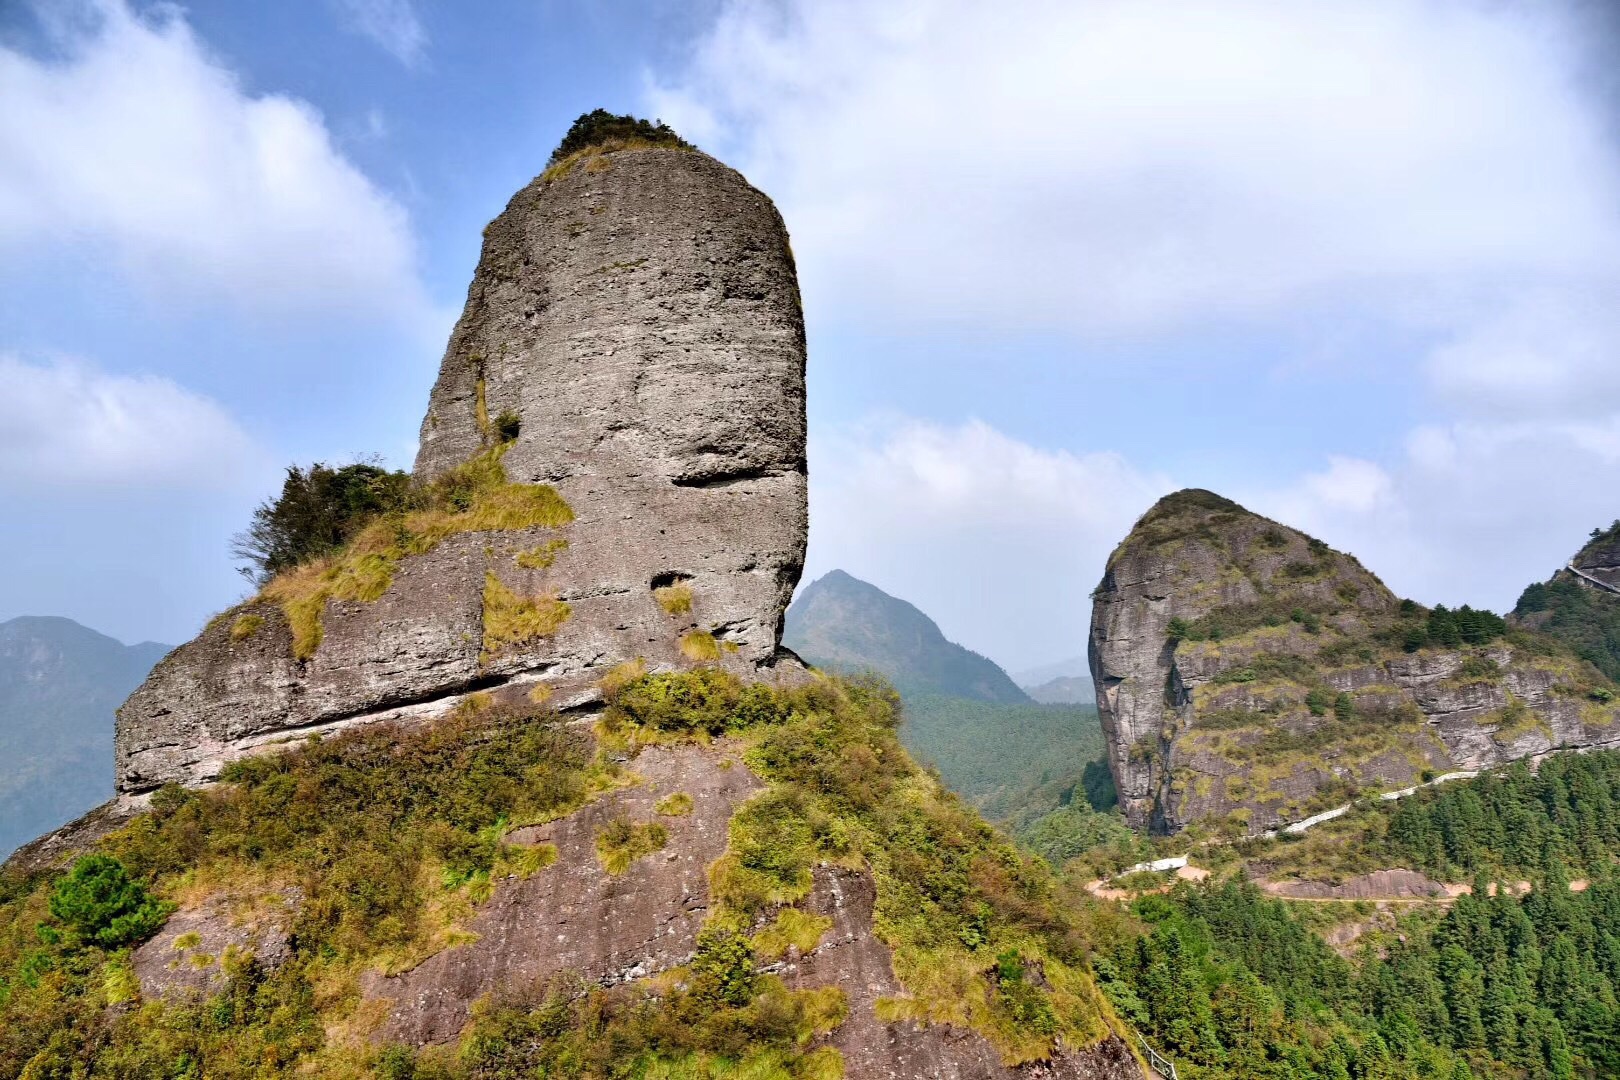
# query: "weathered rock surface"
{"type": "Point", "coordinates": [851, 957]}
{"type": "Point", "coordinates": [638, 315]}
{"type": "Point", "coordinates": [574, 916]}
{"type": "Point", "coordinates": [1296, 693]}
{"type": "Point", "coordinates": [1600, 558]}
{"type": "Point", "coordinates": [192, 954]}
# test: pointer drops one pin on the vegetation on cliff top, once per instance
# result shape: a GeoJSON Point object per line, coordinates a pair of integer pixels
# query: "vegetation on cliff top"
{"type": "Point", "coordinates": [348, 547]}
{"type": "Point", "coordinates": [600, 126]}
{"type": "Point", "coordinates": [600, 132]}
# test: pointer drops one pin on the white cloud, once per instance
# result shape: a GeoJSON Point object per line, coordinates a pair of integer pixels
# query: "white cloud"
{"type": "Point", "coordinates": [1141, 161]}
{"type": "Point", "coordinates": [66, 423]}
{"type": "Point", "coordinates": [999, 541]}
{"type": "Point", "coordinates": [1471, 512]}
{"type": "Point", "coordinates": [1548, 352]}
{"type": "Point", "coordinates": [133, 144]}
{"type": "Point", "coordinates": [392, 24]}
{"type": "Point", "coordinates": [1433, 176]}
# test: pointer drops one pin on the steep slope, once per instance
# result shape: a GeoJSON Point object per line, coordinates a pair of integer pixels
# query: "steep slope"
{"type": "Point", "coordinates": [611, 466]}
{"type": "Point", "coordinates": [1250, 675]}
{"type": "Point", "coordinates": [841, 623]}
{"type": "Point", "coordinates": [1580, 604]}
{"type": "Point", "coordinates": [715, 879]}
{"type": "Point", "coordinates": [59, 685]}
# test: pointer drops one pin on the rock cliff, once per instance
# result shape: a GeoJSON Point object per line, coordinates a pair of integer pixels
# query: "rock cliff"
{"type": "Point", "coordinates": [617, 439]}
{"type": "Point", "coordinates": [1248, 675]}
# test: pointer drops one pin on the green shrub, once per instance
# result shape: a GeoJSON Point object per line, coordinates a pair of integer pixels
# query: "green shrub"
{"type": "Point", "coordinates": [101, 904]}
{"type": "Point", "coordinates": [599, 126]}
{"type": "Point", "coordinates": [722, 972]}
{"type": "Point", "coordinates": [318, 511]}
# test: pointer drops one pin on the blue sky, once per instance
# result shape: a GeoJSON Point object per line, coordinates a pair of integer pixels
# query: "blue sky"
{"type": "Point", "coordinates": [1353, 265]}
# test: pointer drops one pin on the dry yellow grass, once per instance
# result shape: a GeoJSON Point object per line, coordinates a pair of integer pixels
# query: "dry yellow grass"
{"type": "Point", "coordinates": [677, 804]}
{"type": "Point", "coordinates": [541, 558]}
{"type": "Point", "coordinates": [594, 156]}
{"type": "Point", "coordinates": [699, 646]}
{"type": "Point", "coordinates": [476, 497]}
{"type": "Point", "coordinates": [674, 599]}
{"type": "Point", "coordinates": [792, 929]}
{"type": "Point", "coordinates": [510, 619]}
{"type": "Point", "coordinates": [246, 626]}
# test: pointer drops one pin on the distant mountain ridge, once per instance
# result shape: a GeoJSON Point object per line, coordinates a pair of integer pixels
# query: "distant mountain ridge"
{"type": "Point", "coordinates": [844, 624]}
{"type": "Point", "coordinates": [59, 685]}
{"type": "Point", "coordinates": [1065, 690]}
{"type": "Point", "coordinates": [1063, 682]}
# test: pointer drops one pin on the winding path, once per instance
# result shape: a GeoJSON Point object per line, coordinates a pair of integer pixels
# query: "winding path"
{"type": "Point", "coordinates": [1591, 579]}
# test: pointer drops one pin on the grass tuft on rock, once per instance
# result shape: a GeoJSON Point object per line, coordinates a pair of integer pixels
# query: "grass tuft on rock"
{"type": "Point", "coordinates": [621, 842]}
{"type": "Point", "coordinates": [675, 599]}
{"type": "Point", "coordinates": [510, 619]}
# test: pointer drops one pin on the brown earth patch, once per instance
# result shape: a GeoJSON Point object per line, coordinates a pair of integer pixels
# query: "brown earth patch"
{"type": "Point", "coordinates": [852, 958]}
{"type": "Point", "coordinates": [574, 916]}
{"type": "Point", "coordinates": [1378, 885]}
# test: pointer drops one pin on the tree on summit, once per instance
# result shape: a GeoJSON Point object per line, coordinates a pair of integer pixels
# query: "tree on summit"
{"type": "Point", "coordinates": [599, 126]}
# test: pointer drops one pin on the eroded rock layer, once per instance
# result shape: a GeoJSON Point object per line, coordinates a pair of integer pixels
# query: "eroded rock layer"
{"type": "Point", "coordinates": [1249, 676]}
{"type": "Point", "coordinates": [632, 338]}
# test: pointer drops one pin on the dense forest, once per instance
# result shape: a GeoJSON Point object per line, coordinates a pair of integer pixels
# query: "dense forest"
{"type": "Point", "coordinates": [1518, 977]}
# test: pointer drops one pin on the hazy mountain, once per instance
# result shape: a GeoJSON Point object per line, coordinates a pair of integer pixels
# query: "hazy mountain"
{"type": "Point", "coordinates": [59, 685]}
{"type": "Point", "coordinates": [1013, 758]}
{"type": "Point", "coordinates": [1065, 690]}
{"type": "Point", "coordinates": [843, 624]}
{"type": "Point", "coordinates": [1069, 667]}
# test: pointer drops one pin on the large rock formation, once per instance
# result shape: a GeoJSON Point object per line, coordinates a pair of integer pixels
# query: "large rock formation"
{"type": "Point", "coordinates": [1248, 675]}
{"type": "Point", "coordinates": [632, 338]}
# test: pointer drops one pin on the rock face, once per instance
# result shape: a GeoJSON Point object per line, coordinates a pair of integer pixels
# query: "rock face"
{"type": "Point", "coordinates": [574, 916]}
{"type": "Point", "coordinates": [851, 957]}
{"type": "Point", "coordinates": [635, 317]}
{"type": "Point", "coordinates": [1599, 559]}
{"type": "Point", "coordinates": [1248, 676]}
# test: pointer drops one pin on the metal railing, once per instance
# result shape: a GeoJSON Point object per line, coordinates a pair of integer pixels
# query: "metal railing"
{"type": "Point", "coordinates": [1158, 1062]}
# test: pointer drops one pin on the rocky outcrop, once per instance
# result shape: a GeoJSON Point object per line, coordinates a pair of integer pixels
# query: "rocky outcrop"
{"type": "Point", "coordinates": [1248, 676]}
{"type": "Point", "coordinates": [199, 946]}
{"type": "Point", "coordinates": [851, 957]}
{"type": "Point", "coordinates": [633, 339]}
{"type": "Point", "coordinates": [574, 917]}
{"type": "Point", "coordinates": [1599, 559]}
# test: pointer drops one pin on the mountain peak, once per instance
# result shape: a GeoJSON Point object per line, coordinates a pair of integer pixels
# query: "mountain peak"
{"type": "Point", "coordinates": [843, 623]}
{"type": "Point", "coordinates": [1249, 674]}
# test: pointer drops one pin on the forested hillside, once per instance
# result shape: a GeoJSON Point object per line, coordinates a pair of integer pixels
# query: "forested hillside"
{"type": "Point", "coordinates": [1578, 612]}
{"type": "Point", "coordinates": [59, 686]}
{"type": "Point", "coordinates": [1518, 976]}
